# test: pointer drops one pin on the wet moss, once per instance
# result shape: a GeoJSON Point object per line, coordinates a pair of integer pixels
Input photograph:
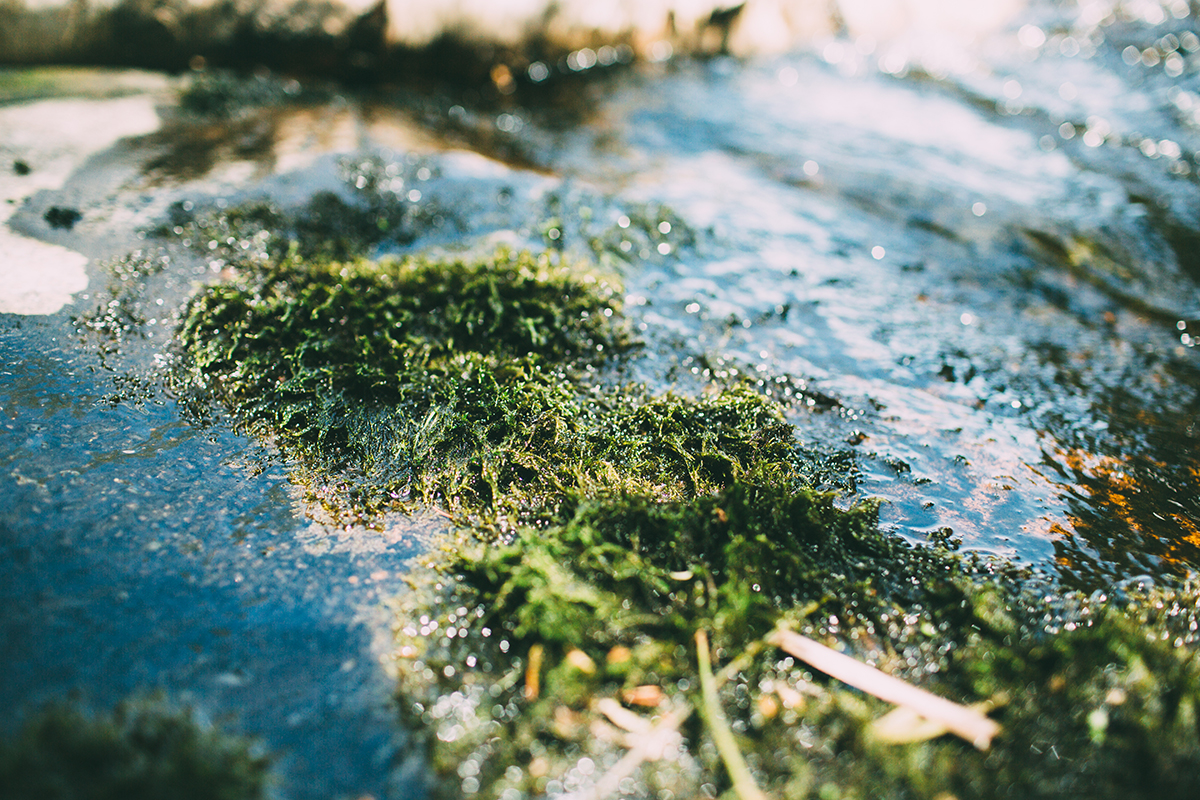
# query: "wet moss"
{"type": "Point", "coordinates": [122, 312]}
{"type": "Point", "coordinates": [328, 226]}
{"type": "Point", "coordinates": [603, 526]}
{"type": "Point", "coordinates": [410, 378]}
{"type": "Point", "coordinates": [223, 94]}
{"type": "Point", "coordinates": [536, 641]}
{"type": "Point", "coordinates": [143, 749]}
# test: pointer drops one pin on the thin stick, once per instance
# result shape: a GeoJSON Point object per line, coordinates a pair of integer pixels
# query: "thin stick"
{"type": "Point", "coordinates": [960, 720]}
{"type": "Point", "coordinates": [718, 726]}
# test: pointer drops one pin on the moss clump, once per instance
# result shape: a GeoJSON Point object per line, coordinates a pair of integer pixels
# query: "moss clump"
{"type": "Point", "coordinates": [143, 750]}
{"type": "Point", "coordinates": [223, 94]}
{"type": "Point", "coordinates": [410, 378]}
{"type": "Point", "coordinates": [608, 526]}
{"type": "Point", "coordinates": [533, 643]}
{"type": "Point", "coordinates": [327, 227]}
{"type": "Point", "coordinates": [463, 383]}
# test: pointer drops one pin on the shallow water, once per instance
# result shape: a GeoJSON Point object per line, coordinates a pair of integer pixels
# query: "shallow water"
{"type": "Point", "coordinates": [978, 274]}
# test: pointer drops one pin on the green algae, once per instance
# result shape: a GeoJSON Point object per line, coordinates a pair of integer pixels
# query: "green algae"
{"type": "Point", "coordinates": [143, 749]}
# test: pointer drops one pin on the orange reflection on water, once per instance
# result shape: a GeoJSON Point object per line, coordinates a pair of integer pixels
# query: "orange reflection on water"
{"type": "Point", "coordinates": [1138, 514]}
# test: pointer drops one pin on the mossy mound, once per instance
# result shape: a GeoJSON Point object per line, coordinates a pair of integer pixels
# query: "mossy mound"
{"type": "Point", "coordinates": [408, 379]}
{"type": "Point", "coordinates": [558, 642]}
{"type": "Point", "coordinates": [144, 750]}
{"type": "Point", "coordinates": [515, 658]}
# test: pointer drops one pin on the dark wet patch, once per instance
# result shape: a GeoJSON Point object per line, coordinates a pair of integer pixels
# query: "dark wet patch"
{"type": "Point", "coordinates": [63, 217]}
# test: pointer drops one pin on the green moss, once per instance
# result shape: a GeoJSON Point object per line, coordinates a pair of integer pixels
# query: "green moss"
{"type": "Point", "coordinates": [1096, 698]}
{"type": "Point", "coordinates": [144, 749]}
{"type": "Point", "coordinates": [604, 525]}
{"type": "Point", "coordinates": [410, 378]}
{"type": "Point", "coordinates": [461, 383]}
{"type": "Point", "coordinates": [223, 94]}
{"type": "Point", "coordinates": [327, 227]}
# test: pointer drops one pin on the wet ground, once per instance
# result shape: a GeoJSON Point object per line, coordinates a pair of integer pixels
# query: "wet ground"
{"type": "Point", "coordinates": [979, 282]}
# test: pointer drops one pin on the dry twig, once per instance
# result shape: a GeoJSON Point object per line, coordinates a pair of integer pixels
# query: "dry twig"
{"type": "Point", "coordinates": [960, 720]}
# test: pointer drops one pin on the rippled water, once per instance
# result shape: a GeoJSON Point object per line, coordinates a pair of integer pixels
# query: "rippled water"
{"type": "Point", "coordinates": [977, 272]}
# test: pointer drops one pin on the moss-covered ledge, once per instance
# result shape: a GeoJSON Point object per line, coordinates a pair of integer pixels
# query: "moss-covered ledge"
{"type": "Point", "coordinates": [408, 381]}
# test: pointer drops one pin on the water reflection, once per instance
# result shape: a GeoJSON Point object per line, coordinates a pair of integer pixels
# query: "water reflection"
{"type": "Point", "coordinates": [1126, 517]}
{"type": "Point", "coordinates": [1132, 485]}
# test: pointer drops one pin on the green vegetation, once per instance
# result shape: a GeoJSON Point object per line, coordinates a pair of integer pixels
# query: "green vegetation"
{"type": "Point", "coordinates": [412, 379]}
{"type": "Point", "coordinates": [550, 645]}
{"type": "Point", "coordinates": [144, 750]}
{"type": "Point", "coordinates": [535, 642]}
{"type": "Point", "coordinates": [223, 94]}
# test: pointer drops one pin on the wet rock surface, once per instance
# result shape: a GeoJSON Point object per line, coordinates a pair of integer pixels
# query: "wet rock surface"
{"type": "Point", "coordinates": [972, 287]}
